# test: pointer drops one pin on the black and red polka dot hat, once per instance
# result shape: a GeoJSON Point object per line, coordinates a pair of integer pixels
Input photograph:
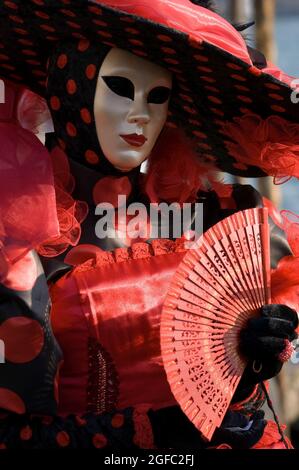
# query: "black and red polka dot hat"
{"type": "Point", "coordinates": [241, 115]}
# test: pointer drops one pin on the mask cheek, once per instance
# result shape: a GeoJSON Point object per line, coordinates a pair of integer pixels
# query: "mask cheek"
{"type": "Point", "coordinates": [158, 119]}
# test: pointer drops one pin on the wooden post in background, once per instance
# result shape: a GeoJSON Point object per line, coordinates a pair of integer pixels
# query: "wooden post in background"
{"type": "Point", "coordinates": [237, 11]}
{"type": "Point", "coordinates": [237, 14]}
{"type": "Point", "coordinates": [265, 12]}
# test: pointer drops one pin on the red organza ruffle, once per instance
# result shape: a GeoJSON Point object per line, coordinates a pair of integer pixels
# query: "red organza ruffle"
{"type": "Point", "coordinates": [271, 438]}
{"type": "Point", "coordinates": [290, 224]}
{"type": "Point", "coordinates": [285, 282]}
{"type": "Point", "coordinates": [71, 213]}
{"type": "Point", "coordinates": [36, 209]}
{"type": "Point", "coordinates": [33, 113]}
{"type": "Point", "coordinates": [288, 221]}
{"type": "Point", "coordinates": [140, 250]}
{"type": "Point", "coordinates": [175, 173]}
{"type": "Point", "coordinates": [28, 208]}
{"type": "Point", "coordinates": [285, 278]}
{"type": "Point", "coordinates": [271, 144]}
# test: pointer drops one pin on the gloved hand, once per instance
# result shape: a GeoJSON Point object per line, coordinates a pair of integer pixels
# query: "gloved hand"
{"type": "Point", "coordinates": [173, 430]}
{"type": "Point", "coordinates": [239, 431]}
{"type": "Point", "coordinates": [263, 342]}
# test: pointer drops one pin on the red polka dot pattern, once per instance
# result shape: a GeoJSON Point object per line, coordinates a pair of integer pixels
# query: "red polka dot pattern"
{"type": "Point", "coordinates": [48, 28]}
{"type": "Point", "coordinates": [274, 96]}
{"type": "Point", "coordinates": [62, 61]}
{"type": "Point", "coordinates": [11, 5]}
{"type": "Point", "coordinates": [91, 71]}
{"type": "Point", "coordinates": [245, 99]}
{"type": "Point", "coordinates": [202, 68]}
{"type": "Point", "coordinates": [63, 439]}
{"type": "Point", "coordinates": [242, 88]}
{"type": "Point", "coordinates": [85, 116]}
{"type": "Point", "coordinates": [233, 66]}
{"type": "Point", "coordinates": [69, 13]}
{"type": "Point", "coordinates": [42, 15]}
{"type": "Point", "coordinates": [23, 339]}
{"type": "Point", "coordinates": [164, 38]}
{"type": "Point", "coordinates": [83, 45]}
{"type": "Point", "coordinates": [100, 23]}
{"type": "Point", "coordinates": [201, 58]}
{"type": "Point", "coordinates": [272, 86]}
{"type": "Point", "coordinates": [26, 433]}
{"type": "Point", "coordinates": [10, 401]}
{"type": "Point", "coordinates": [71, 87]}
{"type": "Point", "coordinates": [278, 109]}
{"type": "Point", "coordinates": [99, 441]}
{"type": "Point", "coordinates": [91, 157]}
{"type": "Point", "coordinates": [240, 78]}
{"type": "Point", "coordinates": [55, 103]}
{"type": "Point", "coordinates": [71, 129]}
{"type": "Point", "coordinates": [117, 421]}
{"type": "Point", "coordinates": [214, 99]}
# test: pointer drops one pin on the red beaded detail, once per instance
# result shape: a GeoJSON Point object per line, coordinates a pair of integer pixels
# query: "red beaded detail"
{"type": "Point", "coordinates": [103, 383]}
{"type": "Point", "coordinates": [143, 437]}
{"type": "Point", "coordinates": [286, 354]}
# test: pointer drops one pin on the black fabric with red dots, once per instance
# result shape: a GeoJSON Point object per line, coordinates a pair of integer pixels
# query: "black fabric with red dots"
{"type": "Point", "coordinates": [27, 378]}
{"type": "Point", "coordinates": [73, 74]}
{"type": "Point", "coordinates": [32, 356]}
{"type": "Point", "coordinates": [30, 31]}
{"type": "Point", "coordinates": [91, 431]}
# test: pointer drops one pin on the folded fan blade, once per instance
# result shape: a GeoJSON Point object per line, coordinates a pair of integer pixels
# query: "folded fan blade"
{"type": "Point", "coordinates": [222, 281]}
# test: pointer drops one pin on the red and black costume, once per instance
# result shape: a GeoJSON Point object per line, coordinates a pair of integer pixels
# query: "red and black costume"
{"type": "Point", "coordinates": [86, 369]}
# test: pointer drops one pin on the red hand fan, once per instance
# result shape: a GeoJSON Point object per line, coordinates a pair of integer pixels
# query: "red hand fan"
{"type": "Point", "coordinates": [222, 281]}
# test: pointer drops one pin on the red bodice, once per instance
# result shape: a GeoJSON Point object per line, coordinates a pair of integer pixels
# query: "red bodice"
{"type": "Point", "coordinates": [106, 318]}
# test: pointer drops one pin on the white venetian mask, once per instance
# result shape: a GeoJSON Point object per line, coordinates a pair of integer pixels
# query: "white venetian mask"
{"type": "Point", "coordinates": [130, 107]}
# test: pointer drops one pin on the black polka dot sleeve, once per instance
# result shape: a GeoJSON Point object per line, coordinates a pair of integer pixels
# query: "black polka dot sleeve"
{"type": "Point", "coordinates": [30, 358]}
{"type": "Point", "coordinates": [30, 353]}
{"type": "Point", "coordinates": [103, 431]}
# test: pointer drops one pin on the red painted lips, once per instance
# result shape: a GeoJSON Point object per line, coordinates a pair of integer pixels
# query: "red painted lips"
{"type": "Point", "coordinates": [134, 139]}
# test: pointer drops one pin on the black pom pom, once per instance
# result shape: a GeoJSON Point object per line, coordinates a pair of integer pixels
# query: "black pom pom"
{"type": "Point", "coordinates": [210, 4]}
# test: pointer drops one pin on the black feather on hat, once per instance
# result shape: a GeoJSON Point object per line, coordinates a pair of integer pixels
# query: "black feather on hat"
{"type": "Point", "coordinates": [210, 4]}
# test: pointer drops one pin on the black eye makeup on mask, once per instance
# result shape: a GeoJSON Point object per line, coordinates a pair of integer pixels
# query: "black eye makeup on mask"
{"type": "Point", "coordinates": [159, 95]}
{"type": "Point", "coordinates": [121, 86]}
{"type": "Point", "coordinates": [124, 87]}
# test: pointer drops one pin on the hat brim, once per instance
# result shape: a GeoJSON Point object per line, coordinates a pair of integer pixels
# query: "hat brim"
{"type": "Point", "coordinates": [212, 85]}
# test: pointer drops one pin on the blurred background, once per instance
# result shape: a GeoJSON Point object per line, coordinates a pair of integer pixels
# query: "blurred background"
{"type": "Point", "coordinates": [276, 34]}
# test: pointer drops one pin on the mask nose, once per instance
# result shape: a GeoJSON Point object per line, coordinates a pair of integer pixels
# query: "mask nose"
{"type": "Point", "coordinates": [139, 112]}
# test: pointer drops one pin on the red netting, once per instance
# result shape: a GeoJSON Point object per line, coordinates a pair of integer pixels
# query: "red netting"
{"type": "Point", "coordinates": [70, 212]}
{"type": "Point", "coordinates": [273, 145]}
{"type": "Point", "coordinates": [28, 207]}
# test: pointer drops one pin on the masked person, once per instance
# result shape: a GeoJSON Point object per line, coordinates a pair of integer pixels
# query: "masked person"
{"type": "Point", "coordinates": [170, 83]}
